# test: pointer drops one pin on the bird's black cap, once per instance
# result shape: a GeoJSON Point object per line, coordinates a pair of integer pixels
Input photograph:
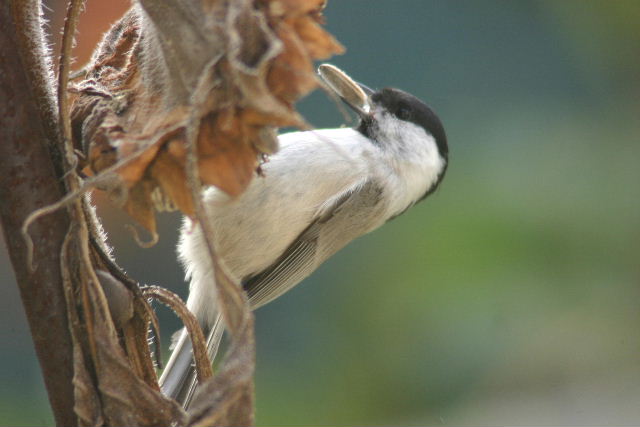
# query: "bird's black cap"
{"type": "Point", "coordinates": [408, 108]}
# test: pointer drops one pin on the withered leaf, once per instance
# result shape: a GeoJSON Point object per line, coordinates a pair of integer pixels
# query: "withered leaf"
{"type": "Point", "coordinates": [106, 389]}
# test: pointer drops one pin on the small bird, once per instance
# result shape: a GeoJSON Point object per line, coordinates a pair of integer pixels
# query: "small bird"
{"type": "Point", "coordinates": [320, 191]}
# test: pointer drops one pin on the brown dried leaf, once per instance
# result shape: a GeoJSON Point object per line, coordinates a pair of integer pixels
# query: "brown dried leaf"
{"type": "Point", "coordinates": [106, 388]}
{"type": "Point", "coordinates": [126, 398]}
{"type": "Point", "coordinates": [318, 42]}
{"type": "Point", "coordinates": [87, 403]}
{"type": "Point", "coordinates": [139, 205]}
{"type": "Point", "coordinates": [225, 163]}
{"type": "Point", "coordinates": [292, 71]}
{"type": "Point", "coordinates": [168, 172]}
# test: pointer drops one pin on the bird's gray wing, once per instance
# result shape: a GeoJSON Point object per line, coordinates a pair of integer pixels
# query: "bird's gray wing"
{"type": "Point", "coordinates": [352, 213]}
{"type": "Point", "coordinates": [349, 215]}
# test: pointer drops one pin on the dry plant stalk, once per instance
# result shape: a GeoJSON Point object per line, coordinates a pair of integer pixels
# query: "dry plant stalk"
{"type": "Point", "coordinates": [168, 298]}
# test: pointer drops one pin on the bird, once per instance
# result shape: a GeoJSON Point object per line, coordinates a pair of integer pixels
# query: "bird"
{"type": "Point", "coordinates": [321, 190]}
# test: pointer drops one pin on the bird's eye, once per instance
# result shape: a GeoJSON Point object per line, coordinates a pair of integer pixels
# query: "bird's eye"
{"type": "Point", "coordinates": [403, 113]}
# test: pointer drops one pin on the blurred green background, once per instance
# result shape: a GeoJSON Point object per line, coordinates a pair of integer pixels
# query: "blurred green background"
{"type": "Point", "coordinates": [511, 296]}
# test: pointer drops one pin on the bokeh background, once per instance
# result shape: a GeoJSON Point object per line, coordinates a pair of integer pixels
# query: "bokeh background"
{"type": "Point", "coordinates": [511, 296]}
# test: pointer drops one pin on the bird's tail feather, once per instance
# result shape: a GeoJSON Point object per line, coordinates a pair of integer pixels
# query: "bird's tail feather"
{"type": "Point", "coordinates": [178, 380]}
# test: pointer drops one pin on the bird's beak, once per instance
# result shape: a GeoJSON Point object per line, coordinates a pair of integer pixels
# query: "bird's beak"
{"type": "Point", "coordinates": [355, 95]}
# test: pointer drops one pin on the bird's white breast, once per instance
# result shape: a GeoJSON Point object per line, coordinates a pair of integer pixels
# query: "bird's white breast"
{"type": "Point", "coordinates": [253, 230]}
